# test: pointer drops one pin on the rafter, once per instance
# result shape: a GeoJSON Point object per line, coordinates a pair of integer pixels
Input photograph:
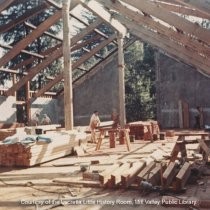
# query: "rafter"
{"type": "Point", "coordinates": [29, 38]}
{"type": "Point", "coordinates": [46, 33]}
{"type": "Point", "coordinates": [172, 19]}
{"type": "Point", "coordinates": [51, 58]}
{"type": "Point", "coordinates": [180, 38]}
{"type": "Point", "coordinates": [75, 65]}
{"type": "Point", "coordinates": [202, 5]}
{"type": "Point", "coordinates": [98, 9]}
{"type": "Point", "coordinates": [181, 9]}
{"type": "Point", "coordinates": [28, 14]}
{"type": "Point", "coordinates": [12, 71]}
{"type": "Point", "coordinates": [4, 4]}
{"type": "Point", "coordinates": [163, 43]}
{"type": "Point", "coordinates": [22, 51]}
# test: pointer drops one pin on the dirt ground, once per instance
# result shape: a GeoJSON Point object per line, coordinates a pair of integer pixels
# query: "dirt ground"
{"type": "Point", "coordinates": [34, 189]}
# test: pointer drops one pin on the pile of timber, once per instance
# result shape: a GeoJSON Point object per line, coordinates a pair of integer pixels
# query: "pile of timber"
{"type": "Point", "coordinates": [62, 144]}
{"type": "Point", "coordinates": [8, 129]}
{"type": "Point", "coordinates": [136, 174]}
{"type": "Point", "coordinates": [144, 130]}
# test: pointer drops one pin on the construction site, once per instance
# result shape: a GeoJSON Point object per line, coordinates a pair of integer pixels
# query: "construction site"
{"type": "Point", "coordinates": [69, 137]}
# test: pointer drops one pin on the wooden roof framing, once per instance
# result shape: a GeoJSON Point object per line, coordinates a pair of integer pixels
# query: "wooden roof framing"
{"type": "Point", "coordinates": [182, 39]}
{"type": "Point", "coordinates": [182, 9]}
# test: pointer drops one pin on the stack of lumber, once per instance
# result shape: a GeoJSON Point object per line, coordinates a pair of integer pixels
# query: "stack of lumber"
{"type": "Point", "coordinates": [4, 133]}
{"type": "Point", "coordinates": [19, 154]}
{"type": "Point", "coordinates": [144, 129]}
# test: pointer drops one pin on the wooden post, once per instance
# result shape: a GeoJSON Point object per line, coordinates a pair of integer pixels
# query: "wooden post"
{"type": "Point", "coordinates": [121, 69]}
{"type": "Point", "coordinates": [14, 79]}
{"type": "Point", "coordinates": [68, 93]}
{"type": "Point", "coordinates": [28, 103]}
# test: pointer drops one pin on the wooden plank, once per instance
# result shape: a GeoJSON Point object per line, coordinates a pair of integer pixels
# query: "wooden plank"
{"type": "Point", "coordinates": [29, 38]}
{"type": "Point", "coordinates": [98, 9]}
{"type": "Point", "coordinates": [28, 14]}
{"type": "Point", "coordinates": [169, 174]}
{"type": "Point", "coordinates": [106, 175]}
{"type": "Point", "coordinates": [145, 172]}
{"type": "Point", "coordinates": [172, 19]}
{"type": "Point", "coordinates": [130, 176]}
{"type": "Point", "coordinates": [116, 175]}
{"type": "Point", "coordinates": [182, 176]}
{"type": "Point", "coordinates": [154, 176]}
{"type": "Point", "coordinates": [70, 181]}
{"type": "Point", "coordinates": [205, 148]}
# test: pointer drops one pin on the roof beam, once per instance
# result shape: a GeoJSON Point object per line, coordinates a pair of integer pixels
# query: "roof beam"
{"type": "Point", "coordinates": [4, 4]}
{"type": "Point", "coordinates": [51, 58]}
{"type": "Point", "coordinates": [201, 5]}
{"type": "Point", "coordinates": [46, 33]}
{"type": "Point", "coordinates": [101, 63]}
{"type": "Point", "coordinates": [98, 9]}
{"type": "Point", "coordinates": [172, 19]}
{"type": "Point", "coordinates": [29, 38]}
{"type": "Point", "coordinates": [52, 3]}
{"type": "Point", "coordinates": [23, 51]}
{"type": "Point", "coordinates": [181, 9]}
{"type": "Point", "coordinates": [22, 18]}
{"type": "Point", "coordinates": [163, 43]}
{"type": "Point", "coordinates": [160, 28]}
{"type": "Point", "coordinates": [35, 70]}
{"type": "Point", "coordinates": [75, 65]}
{"type": "Point", "coordinates": [12, 71]}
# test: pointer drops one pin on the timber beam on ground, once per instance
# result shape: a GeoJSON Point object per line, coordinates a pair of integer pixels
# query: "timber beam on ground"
{"type": "Point", "coordinates": [162, 42]}
{"type": "Point", "coordinates": [181, 39]}
{"type": "Point", "coordinates": [29, 38]}
{"type": "Point", "coordinates": [172, 19]}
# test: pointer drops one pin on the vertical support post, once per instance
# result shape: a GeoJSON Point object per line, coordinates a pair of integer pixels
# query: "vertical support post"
{"type": "Point", "coordinates": [121, 70]}
{"type": "Point", "coordinates": [28, 103]}
{"type": "Point", "coordinates": [14, 80]}
{"type": "Point", "coordinates": [68, 93]}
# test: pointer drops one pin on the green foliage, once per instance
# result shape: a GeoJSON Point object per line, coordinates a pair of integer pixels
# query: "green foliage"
{"type": "Point", "coordinates": [139, 82]}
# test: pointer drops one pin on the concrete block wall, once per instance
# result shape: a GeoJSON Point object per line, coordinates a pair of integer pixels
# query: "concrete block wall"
{"type": "Point", "coordinates": [97, 92]}
{"type": "Point", "coordinates": [42, 105]}
{"type": "Point", "coordinates": [178, 81]}
{"type": "Point", "coordinates": [47, 106]}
